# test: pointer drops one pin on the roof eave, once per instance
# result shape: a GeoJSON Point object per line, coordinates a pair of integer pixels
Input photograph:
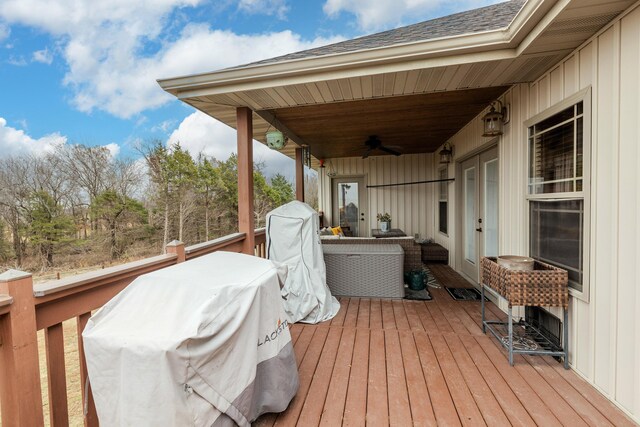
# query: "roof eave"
{"type": "Point", "coordinates": [496, 44]}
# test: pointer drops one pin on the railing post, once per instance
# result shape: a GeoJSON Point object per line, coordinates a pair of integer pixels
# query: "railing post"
{"type": "Point", "coordinates": [177, 247]}
{"type": "Point", "coordinates": [20, 392]}
{"type": "Point", "coordinates": [88, 403]}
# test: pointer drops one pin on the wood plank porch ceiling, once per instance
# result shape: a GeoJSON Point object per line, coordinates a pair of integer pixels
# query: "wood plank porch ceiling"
{"type": "Point", "coordinates": [414, 123]}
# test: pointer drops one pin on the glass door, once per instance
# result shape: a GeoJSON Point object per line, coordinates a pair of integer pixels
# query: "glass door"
{"type": "Point", "coordinates": [479, 211]}
{"type": "Point", "coordinates": [489, 203]}
{"type": "Point", "coordinates": [349, 201]}
{"type": "Point", "coordinates": [470, 218]}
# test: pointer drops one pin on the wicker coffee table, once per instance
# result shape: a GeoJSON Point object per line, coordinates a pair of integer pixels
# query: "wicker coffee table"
{"type": "Point", "coordinates": [544, 286]}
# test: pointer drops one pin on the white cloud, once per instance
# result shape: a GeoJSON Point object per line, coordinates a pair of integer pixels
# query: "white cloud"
{"type": "Point", "coordinates": [16, 141]}
{"type": "Point", "coordinates": [114, 149]}
{"type": "Point", "coordinates": [164, 126]}
{"type": "Point", "coordinates": [5, 31]}
{"type": "Point", "coordinates": [380, 14]}
{"type": "Point", "coordinates": [277, 8]}
{"type": "Point", "coordinates": [125, 88]}
{"type": "Point", "coordinates": [115, 50]}
{"type": "Point", "coordinates": [44, 56]}
{"type": "Point", "coordinates": [17, 61]}
{"type": "Point", "coordinates": [201, 133]}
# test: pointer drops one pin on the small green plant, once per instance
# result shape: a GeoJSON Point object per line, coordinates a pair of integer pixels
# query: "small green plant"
{"type": "Point", "coordinates": [385, 217]}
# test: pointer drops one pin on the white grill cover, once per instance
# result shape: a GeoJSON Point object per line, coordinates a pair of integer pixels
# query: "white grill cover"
{"type": "Point", "coordinates": [293, 238]}
{"type": "Point", "coordinates": [200, 343]}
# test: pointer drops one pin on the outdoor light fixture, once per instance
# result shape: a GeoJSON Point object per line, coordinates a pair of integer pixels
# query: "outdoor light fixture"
{"type": "Point", "coordinates": [276, 140]}
{"type": "Point", "coordinates": [306, 155]}
{"type": "Point", "coordinates": [446, 154]}
{"type": "Point", "coordinates": [494, 120]}
{"type": "Point", "coordinates": [331, 172]}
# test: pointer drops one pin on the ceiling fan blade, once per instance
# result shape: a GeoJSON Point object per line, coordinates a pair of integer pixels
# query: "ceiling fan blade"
{"type": "Point", "coordinates": [366, 153]}
{"type": "Point", "coordinates": [389, 150]}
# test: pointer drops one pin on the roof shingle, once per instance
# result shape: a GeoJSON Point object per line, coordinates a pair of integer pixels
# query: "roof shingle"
{"type": "Point", "coordinates": [487, 18]}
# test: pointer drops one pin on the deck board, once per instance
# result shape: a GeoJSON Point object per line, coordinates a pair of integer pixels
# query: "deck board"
{"type": "Point", "coordinates": [483, 395]}
{"type": "Point", "coordinates": [398, 362]}
{"type": "Point", "coordinates": [356, 403]}
{"type": "Point", "coordinates": [377, 406]}
{"type": "Point", "coordinates": [364, 313]}
{"type": "Point", "coordinates": [312, 408]}
{"type": "Point", "coordinates": [420, 402]}
{"type": "Point", "coordinates": [334, 405]}
{"type": "Point", "coordinates": [398, 397]}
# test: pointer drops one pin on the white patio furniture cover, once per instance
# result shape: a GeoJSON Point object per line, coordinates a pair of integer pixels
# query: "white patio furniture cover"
{"type": "Point", "coordinates": [201, 343]}
{"type": "Point", "coordinates": [293, 238]}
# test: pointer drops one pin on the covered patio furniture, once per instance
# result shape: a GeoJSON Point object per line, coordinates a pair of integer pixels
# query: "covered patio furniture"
{"type": "Point", "coordinates": [200, 343]}
{"type": "Point", "coordinates": [293, 239]}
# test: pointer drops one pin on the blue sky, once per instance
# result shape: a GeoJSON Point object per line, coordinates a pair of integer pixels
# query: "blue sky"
{"type": "Point", "coordinates": [82, 71]}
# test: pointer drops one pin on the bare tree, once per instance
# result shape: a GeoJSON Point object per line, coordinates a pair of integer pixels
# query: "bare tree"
{"type": "Point", "coordinates": [311, 190]}
{"type": "Point", "coordinates": [14, 199]}
{"type": "Point", "coordinates": [88, 169]}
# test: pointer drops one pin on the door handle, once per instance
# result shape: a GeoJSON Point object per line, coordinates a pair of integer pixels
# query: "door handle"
{"type": "Point", "coordinates": [479, 229]}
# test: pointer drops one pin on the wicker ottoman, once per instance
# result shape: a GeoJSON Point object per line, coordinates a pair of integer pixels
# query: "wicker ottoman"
{"type": "Point", "coordinates": [433, 252]}
{"type": "Point", "coordinates": [370, 271]}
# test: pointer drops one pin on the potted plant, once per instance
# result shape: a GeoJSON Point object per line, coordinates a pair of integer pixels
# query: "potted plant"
{"type": "Point", "coordinates": [385, 222]}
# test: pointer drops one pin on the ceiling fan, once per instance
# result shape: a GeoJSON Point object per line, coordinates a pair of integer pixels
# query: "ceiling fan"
{"type": "Point", "coordinates": [373, 143]}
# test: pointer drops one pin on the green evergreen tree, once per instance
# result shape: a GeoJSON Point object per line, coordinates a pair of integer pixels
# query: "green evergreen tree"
{"type": "Point", "coordinates": [283, 189]}
{"type": "Point", "coordinates": [208, 184]}
{"type": "Point", "coordinates": [49, 226]}
{"type": "Point", "coordinates": [182, 177]}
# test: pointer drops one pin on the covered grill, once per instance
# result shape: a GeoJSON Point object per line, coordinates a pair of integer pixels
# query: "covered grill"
{"type": "Point", "coordinates": [205, 342]}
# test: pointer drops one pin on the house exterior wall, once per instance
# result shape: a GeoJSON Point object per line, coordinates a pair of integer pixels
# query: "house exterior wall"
{"type": "Point", "coordinates": [605, 328]}
{"type": "Point", "coordinates": [604, 325]}
{"type": "Point", "coordinates": [410, 206]}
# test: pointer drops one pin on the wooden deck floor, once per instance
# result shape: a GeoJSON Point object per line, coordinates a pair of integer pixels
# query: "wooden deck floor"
{"type": "Point", "coordinates": [402, 363]}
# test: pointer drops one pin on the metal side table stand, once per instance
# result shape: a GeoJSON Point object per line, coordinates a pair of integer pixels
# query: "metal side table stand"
{"type": "Point", "coordinates": [547, 286]}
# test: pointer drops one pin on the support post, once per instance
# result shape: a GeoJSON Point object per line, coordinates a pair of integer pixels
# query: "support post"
{"type": "Point", "coordinates": [176, 247]}
{"type": "Point", "coordinates": [246, 220]}
{"type": "Point", "coordinates": [20, 392]}
{"type": "Point", "coordinates": [300, 174]}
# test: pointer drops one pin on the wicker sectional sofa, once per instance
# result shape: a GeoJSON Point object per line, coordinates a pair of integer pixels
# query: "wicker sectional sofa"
{"type": "Point", "coordinates": [412, 251]}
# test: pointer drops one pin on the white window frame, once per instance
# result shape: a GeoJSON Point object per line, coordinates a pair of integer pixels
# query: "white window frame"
{"type": "Point", "coordinates": [583, 96]}
{"type": "Point", "coordinates": [445, 170]}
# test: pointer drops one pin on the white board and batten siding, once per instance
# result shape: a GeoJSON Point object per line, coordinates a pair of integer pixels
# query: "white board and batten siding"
{"type": "Point", "coordinates": [410, 206]}
{"type": "Point", "coordinates": [605, 328]}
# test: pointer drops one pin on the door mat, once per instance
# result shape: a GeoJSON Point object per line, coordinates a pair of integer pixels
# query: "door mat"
{"type": "Point", "coordinates": [465, 294]}
{"type": "Point", "coordinates": [421, 295]}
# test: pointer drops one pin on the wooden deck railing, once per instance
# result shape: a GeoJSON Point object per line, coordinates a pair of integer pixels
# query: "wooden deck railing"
{"type": "Point", "coordinates": [26, 308]}
{"type": "Point", "coordinates": [5, 302]}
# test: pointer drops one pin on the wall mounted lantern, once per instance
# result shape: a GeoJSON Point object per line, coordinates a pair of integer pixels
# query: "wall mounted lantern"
{"type": "Point", "coordinates": [331, 172]}
{"type": "Point", "coordinates": [494, 120]}
{"type": "Point", "coordinates": [446, 154]}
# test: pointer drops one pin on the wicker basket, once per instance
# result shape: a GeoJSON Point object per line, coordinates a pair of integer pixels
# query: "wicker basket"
{"type": "Point", "coordinates": [545, 285]}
